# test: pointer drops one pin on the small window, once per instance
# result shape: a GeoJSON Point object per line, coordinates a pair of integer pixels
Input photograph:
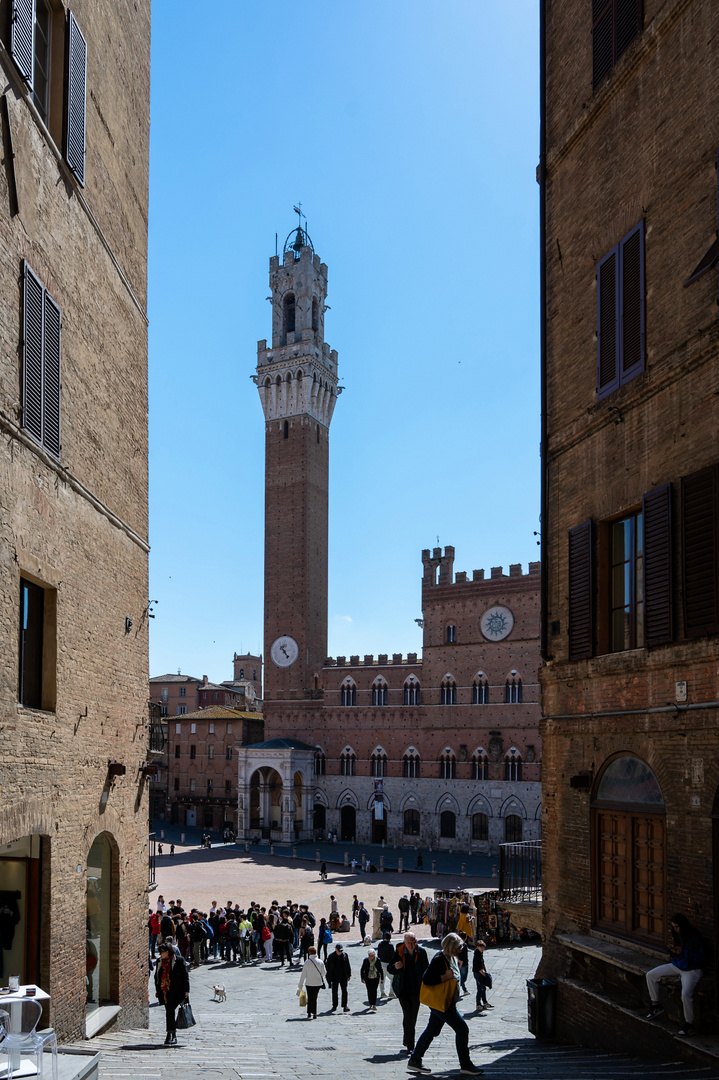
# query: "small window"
{"type": "Point", "coordinates": [620, 313]}
{"type": "Point", "coordinates": [286, 430]}
{"type": "Point", "coordinates": [183, 691]}
{"type": "Point", "coordinates": [176, 783]}
{"type": "Point", "coordinates": [410, 825]}
{"type": "Point", "coordinates": [178, 729]}
{"type": "Point", "coordinates": [513, 766]}
{"type": "Point", "coordinates": [626, 576]}
{"type": "Point", "coordinates": [315, 314]}
{"type": "Point", "coordinates": [228, 753]}
{"type": "Point", "coordinates": [480, 690]}
{"type": "Point", "coordinates": [242, 673]}
{"type": "Point", "coordinates": [210, 753]}
{"type": "Point", "coordinates": [289, 313]}
{"type": "Point", "coordinates": [177, 750]}
{"type": "Point", "coordinates": [229, 728]}
{"type": "Point", "coordinates": [348, 694]}
{"type": "Point", "coordinates": [210, 786]}
{"type": "Point", "coordinates": [448, 824]}
{"type": "Point", "coordinates": [451, 634]}
{"type": "Point", "coordinates": [480, 827]}
{"type": "Point", "coordinates": [412, 694]}
{"type": "Point", "coordinates": [320, 764]}
{"type": "Point", "coordinates": [228, 787]}
{"type": "Point", "coordinates": [36, 683]}
{"type": "Point", "coordinates": [211, 729]}
{"type": "Point", "coordinates": [193, 752]}
{"type": "Point", "coordinates": [480, 766]}
{"type": "Point", "coordinates": [193, 729]}
{"type": "Point", "coordinates": [163, 693]}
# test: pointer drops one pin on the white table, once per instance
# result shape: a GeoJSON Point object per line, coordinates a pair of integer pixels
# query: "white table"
{"type": "Point", "coordinates": [26, 1066]}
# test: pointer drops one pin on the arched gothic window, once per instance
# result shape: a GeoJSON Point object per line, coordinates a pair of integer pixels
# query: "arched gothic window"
{"type": "Point", "coordinates": [411, 823]}
{"type": "Point", "coordinates": [447, 766]}
{"type": "Point", "coordinates": [379, 763]}
{"type": "Point", "coordinates": [349, 693]}
{"type": "Point", "coordinates": [448, 694]}
{"type": "Point", "coordinates": [480, 689]}
{"type": "Point", "coordinates": [451, 633]}
{"type": "Point", "coordinates": [410, 765]}
{"type": "Point", "coordinates": [379, 692]}
{"type": "Point", "coordinates": [513, 765]}
{"type": "Point", "coordinates": [480, 765]}
{"type": "Point", "coordinates": [289, 313]}
{"type": "Point", "coordinates": [411, 691]}
{"type": "Point", "coordinates": [513, 690]}
{"type": "Point", "coordinates": [320, 763]}
{"type": "Point", "coordinates": [513, 829]}
{"type": "Point", "coordinates": [348, 763]}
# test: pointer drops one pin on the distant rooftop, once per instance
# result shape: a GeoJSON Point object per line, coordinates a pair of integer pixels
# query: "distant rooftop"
{"type": "Point", "coordinates": [176, 677]}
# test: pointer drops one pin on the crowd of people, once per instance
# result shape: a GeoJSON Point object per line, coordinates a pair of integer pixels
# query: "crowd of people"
{"type": "Point", "coordinates": [291, 935]}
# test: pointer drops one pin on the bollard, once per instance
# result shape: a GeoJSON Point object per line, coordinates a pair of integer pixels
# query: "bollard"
{"type": "Point", "coordinates": [494, 871]}
{"type": "Point", "coordinates": [182, 838]}
{"type": "Point", "coordinates": [317, 855]}
{"type": "Point", "coordinates": [162, 834]}
{"type": "Point", "coordinates": [247, 845]}
{"type": "Point", "coordinates": [399, 865]}
{"type": "Point", "coordinates": [347, 859]}
{"type": "Point", "coordinates": [363, 861]}
{"type": "Point", "coordinates": [464, 869]}
{"type": "Point", "coordinates": [434, 867]}
{"type": "Point", "coordinates": [383, 843]}
{"type": "Point", "coordinates": [381, 863]}
{"type": "Point", "coordinates": [294, 852]}
{"type": "Point", "coordinates": [272, 849]}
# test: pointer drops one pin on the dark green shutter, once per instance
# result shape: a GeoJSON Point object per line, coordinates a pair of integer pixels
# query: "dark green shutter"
{"type": "Point", "coordinates": [700, 543]}
{"type": "Point", "coordinates": [658, 614]}
{"type": "Point", "coordinates": [32, 311]}
{"type": "Point", "coordinates": [581, 592]}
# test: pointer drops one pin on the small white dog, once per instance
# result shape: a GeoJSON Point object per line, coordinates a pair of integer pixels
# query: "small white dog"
{"type": "Point", "coordinates": [220, 994]}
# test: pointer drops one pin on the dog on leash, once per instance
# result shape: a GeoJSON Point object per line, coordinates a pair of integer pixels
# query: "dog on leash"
{"type": "Point", "coordinates": [220, 994]}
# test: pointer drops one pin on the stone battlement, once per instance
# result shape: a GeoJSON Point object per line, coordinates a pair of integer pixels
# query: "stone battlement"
{"type": "Point", "coordinates": [439, 569]}
{"type": "Point", "coordinates": [368, 660]}
{"type": "Point", "coordinates": [306, 255]}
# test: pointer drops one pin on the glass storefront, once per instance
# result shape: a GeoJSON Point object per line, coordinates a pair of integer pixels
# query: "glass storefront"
{"type": "Point", "coordinates": [99, 908]}
{"type": "Point", "coordinates": [19, 908]}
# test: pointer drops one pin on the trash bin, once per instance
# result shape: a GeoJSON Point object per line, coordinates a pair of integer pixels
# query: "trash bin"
{"type": "Point", "coordinates": [541, 1007]}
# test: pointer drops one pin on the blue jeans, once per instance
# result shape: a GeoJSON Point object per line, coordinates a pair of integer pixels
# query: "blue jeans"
{"type": "Point", "coordinates": [436, 1022]}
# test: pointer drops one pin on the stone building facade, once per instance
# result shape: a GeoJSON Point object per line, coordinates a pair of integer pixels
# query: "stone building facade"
{"type": "Point", "coordinates": [441, 751]}
{"type": "Point", "coordinates": [630, 516]}
{"type": "Point", "coordinates": [73, 488]}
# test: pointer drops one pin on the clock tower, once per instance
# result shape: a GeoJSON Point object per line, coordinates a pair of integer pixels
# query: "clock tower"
{"type": "Point", "coordinates": [297, 382]}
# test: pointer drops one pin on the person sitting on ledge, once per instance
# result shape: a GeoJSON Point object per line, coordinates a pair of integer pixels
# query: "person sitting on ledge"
{"type": "Point", "coordinates": [687, 963]}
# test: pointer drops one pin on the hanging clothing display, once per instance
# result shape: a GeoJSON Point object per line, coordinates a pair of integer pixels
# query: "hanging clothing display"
{"type": "Point", "coordinates": [476, 914]}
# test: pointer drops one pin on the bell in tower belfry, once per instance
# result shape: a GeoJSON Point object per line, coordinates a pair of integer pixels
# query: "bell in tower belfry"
{"type": "Point", "coordinates": [297, 381]}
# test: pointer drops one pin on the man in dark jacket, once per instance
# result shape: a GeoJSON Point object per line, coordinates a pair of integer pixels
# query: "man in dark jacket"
{"type": "Point", "coordinates": [385, 954]}
{"type": "Point", "coordinates": [408, 965]}
{"type": "Point", "coordinates": [339, 974]}
{"type": "Point", "coordinates": [362, 918]}
{"type": "Point", "coordinates": [284, 937]}
{"type": "Point", "coordinates": [403, 905]}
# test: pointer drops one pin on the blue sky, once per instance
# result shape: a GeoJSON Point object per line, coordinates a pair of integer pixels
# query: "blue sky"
{"type": "Point", "coordinates": [409, 131]}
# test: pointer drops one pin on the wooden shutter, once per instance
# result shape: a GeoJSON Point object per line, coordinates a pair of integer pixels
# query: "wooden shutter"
{"type": "Point", "coordinates": [32, 320]}
{"type": "Point", "coordinates": [629, 23]}
{"type": "Point", "coordinates": [700, 541]}
{"type": "Point", "coordinates": [608, 324]}
{"type": "Point", "coordinates": [76, 86]}
{"type": "Point", "coordinates": [658, 615]}
{"type": "Point", "coordinates": [22, 37]}
{"type": "Point", "coordinates": [51, 377]}
{"type": "Point", "coordinates": [602, 39]}
{"type": "Point", "coordinates": [632, 303]}
{"type": "Point", "coordinates": [581, 592]}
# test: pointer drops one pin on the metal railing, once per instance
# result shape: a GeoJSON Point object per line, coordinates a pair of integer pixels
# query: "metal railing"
{"type": "Point", "coordinates": [520, 871]}
{"type": "Point", "coordinates": [156, 736]}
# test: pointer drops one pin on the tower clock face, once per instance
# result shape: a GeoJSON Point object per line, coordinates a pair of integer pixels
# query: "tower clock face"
{"type": "Point", "coordinates": [284, 651]}
{"type": "Point", "coordinates": [497, 622]}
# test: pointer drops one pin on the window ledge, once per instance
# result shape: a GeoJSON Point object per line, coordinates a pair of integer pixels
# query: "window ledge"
{"type": "Point", "coordinates": [27, 710]}
{"type": "Point", "coordinates": [638, 958]}
{"type": "Point", "coordinates": [98, 1019]}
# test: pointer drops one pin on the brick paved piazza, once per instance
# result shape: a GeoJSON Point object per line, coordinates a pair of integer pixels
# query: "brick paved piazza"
{"type": "Point", "coordinates": [260, 1031]}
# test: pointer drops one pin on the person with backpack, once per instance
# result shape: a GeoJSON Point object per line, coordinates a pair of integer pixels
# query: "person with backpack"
{"type": "Point", "coordinates": [197, 936]}
{"type": "Point", "coordinates": [307, 938]}
{"type": "Point", "coordinates": [324, 937]}
{"type": "Point", "coordinates": [233, 937]}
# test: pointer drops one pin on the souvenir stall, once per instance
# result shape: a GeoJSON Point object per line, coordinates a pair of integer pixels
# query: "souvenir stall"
{"type": "Point", "coordinates": [477, 913]}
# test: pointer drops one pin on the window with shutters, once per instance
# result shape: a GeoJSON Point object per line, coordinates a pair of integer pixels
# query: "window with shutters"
{"type": "Point", "coordinates": [51, 56]}
{"type": "Point", "coordinates": [615, 24]}
{"type": "Point", "coordinates": [621, 313]}
{"type": "Point", "coordinates": [626, 583]}
{"type": "Point", "coordinates": [628, 851]}
{"type": "Point", "coordinates": [700, 551]}
{"type": "Point", "coordinates": [41, 329]}
{"type": "Point", "coordinates": [38, 646]}
{"type": "Point", "coordinates": [581, 592]}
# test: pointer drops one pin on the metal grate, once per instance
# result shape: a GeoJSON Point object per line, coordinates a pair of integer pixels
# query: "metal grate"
{"type": "Point", "coordinates": [315, 1048]}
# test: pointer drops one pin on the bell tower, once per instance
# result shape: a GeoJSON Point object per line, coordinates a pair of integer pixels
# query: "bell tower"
{"type": "Point", "coordinates": [297, 382]}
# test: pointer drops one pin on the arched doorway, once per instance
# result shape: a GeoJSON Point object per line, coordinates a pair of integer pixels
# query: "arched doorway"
{"type": "Point", "coordinates": [299, 804]}
{"type": "Point", "coordinates": [319, 818]}
{"type": "Point", "coordinates": [266, 801]}
{"type": "Point", "coordinates": [379, 828]}
{"type": "Point", "coordinates": [628, 851]}
{"type": "Point", "coordinates": [101, 924]}
{"type": "Point", "coordinates": [348, 823]}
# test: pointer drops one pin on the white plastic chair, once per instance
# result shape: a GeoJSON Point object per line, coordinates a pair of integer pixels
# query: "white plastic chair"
{"type": "Point", "coordinates": [22, 1038]}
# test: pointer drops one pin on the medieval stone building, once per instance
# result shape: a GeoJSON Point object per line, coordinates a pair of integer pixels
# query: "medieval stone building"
{"type": "Point", "coordinates": [630, 514]}
{"type": "Point", "coordinates": [441, 751]}
{"type": "Point", "coordinates": [74, 115]}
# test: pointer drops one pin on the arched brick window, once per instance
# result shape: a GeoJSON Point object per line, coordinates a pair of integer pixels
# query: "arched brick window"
{"type": "Point", "coordinates": [320, 763]}
{"type": "Point", "coordinates": [411, 691]}
{"type": "Point", "coordinates": [379, 692]}
{"type": "Point", "coordinates": [480, 765]}
{"type": "Point", "coordinates": [448, 693]}
{"type": "Point", "coordinates": [513, 690]}
{"type": "Point", "coordinates": [513, 829]}
{"type": "Point", "coordinates": [378, 762]}
{"type": "Point", "coordinates": [480, 827]}
{"type": "Point", "coordinates": [447, 766]}
{"type": "Point", "coordinates": [480, 689]}
{"type": "Point", "coordinates": [410, 765]}
{"type": "Point", "coordinates": [513, 765]}
{"type": "Point", "coordinates": [348, 763]}
{"type": "Point", "coordinates": [410, 826]}
{"type": "Point", "coordinates": [348, 694]}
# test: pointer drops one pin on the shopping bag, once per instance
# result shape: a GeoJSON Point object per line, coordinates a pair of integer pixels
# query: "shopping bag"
{"type": "Point", "coordinates": [303, 999]}
{"type": "Point", "coordinates": [184, 1018]}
